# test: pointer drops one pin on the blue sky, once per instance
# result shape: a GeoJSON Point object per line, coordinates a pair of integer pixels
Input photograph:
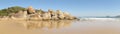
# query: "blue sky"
{"type": "Point", "coordinates": [75, 7]}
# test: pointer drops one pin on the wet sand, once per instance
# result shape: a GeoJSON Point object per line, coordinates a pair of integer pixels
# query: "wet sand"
{"type": "Point", "coordinates": [60, 27]}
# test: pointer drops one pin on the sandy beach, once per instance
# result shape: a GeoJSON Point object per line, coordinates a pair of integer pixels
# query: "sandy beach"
{"type": "Point", "coordinates": [91, 26]}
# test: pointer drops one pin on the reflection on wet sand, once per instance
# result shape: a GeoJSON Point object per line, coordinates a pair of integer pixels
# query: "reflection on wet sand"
{"type": "Point", "coordinates": [47, 24]}
{"type": "Point", "coordinates": [60, 27]}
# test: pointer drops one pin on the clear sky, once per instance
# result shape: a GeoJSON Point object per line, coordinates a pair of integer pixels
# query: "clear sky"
{"type": "Point", "coordinates": [75, 7]}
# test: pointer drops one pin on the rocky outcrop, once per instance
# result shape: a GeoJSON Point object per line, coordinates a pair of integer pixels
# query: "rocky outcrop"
{"type": "Point", "coordinates": [31, 14]}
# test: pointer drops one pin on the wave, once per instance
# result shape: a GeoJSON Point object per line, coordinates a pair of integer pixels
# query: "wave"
{"type": "Point", "coordinates": [101, 19]}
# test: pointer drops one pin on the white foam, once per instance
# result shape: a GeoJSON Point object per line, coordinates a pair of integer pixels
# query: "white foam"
{"type": "Point", "coordinates": [102, 19]}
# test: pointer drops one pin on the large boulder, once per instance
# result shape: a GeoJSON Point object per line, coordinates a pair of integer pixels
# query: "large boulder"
{"type": "Point", "coordinates": [30, 10]}
{"type": "Point", "coordinates": [24, 14]}
{"type": "Point", "coordinates": [40, 11]}
{"type": "Point", "coordinates": [69, 16]}
{"type": "Point", "coordinates": [50, 11]}
{"type": "Point", "coordinates": [53, 14]}
{"type": "Point", "coordinates": [58, 11]}
{"type": "Point", "coordinates": [46, 16]}
{"type": "Point", "coordinates": [60, 14]}
{"type": "Point", "coordinates": [18, 15]}
{"type": "Point", "coordinates": [35, 17]}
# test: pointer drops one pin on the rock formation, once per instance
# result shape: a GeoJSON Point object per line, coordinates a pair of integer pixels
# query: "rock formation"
{"type": "Point", "coordinates": [60, 14]}
{"type": "Point", "coordinates": [24, 14]}
{"type": "Point", "coordinates": [31, 14]}
{"type": "Point", "coordinates": [30, 10]}
{"type": "Point", "coordinates": [46, 16]}
{"type": "Point", "coordinates": [52, 14]}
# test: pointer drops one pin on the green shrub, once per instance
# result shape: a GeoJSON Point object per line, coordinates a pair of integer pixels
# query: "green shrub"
{"type": "Point", "coordinates": [14, 9]}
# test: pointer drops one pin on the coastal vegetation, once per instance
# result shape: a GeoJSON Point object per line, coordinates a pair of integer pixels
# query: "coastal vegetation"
{"type": "Point", "coordinates": [7, 11]}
